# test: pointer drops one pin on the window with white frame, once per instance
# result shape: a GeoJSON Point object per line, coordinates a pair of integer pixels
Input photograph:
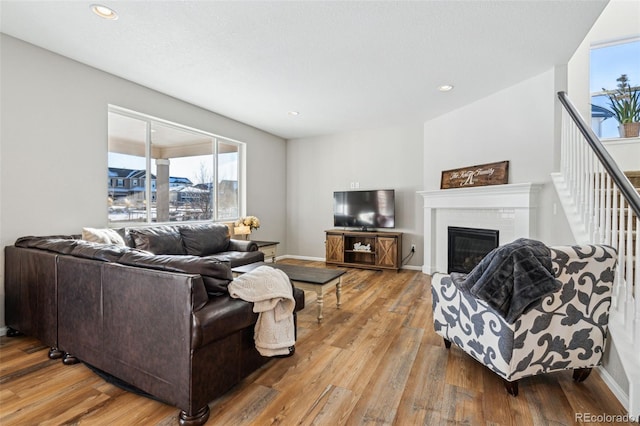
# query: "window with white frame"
{"type": "Point", "coordinates": [608, 62]}
{"type": "Point", "coordinates": [166, 172]}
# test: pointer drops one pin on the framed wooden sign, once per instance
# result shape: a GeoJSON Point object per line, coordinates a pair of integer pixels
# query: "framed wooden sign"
{"type": "Point", "coordinates": [480, 175]}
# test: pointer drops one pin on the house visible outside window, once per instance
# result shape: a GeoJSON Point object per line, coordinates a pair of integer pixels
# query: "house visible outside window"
{"type": "Point", "coordinates": [187, 174]}
{"type": "Point", "coordinates": [608, 62]}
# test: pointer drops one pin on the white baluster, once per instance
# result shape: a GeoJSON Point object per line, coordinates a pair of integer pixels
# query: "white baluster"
{"type": "Point", "coordinates": [601, 205]}
{"type": "Point", "coordinates": [591, 193]}
{"type": "Point", "coordinates": [636, 288]}
{"type": "Point", "coordinates": [629, 269]}
{"type": "Point", "coordinates": [607, 210]}
{"type": "Point", "coordinates": [580, 181]}
{"type": "Point", "coordinates": [617, 293]}
{"type": "Point", "coordinates": [620, 274]}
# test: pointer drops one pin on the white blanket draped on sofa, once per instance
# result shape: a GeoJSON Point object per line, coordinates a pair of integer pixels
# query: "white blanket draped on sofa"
{"type": "Point", "coordinates": [272, 295]}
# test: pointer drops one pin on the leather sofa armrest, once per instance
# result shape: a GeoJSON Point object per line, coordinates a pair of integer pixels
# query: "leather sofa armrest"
{"type": "Point", "coordinates": [242, 245]}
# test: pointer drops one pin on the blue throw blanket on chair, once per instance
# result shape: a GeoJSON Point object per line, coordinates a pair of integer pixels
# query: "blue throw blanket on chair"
{"type": "Point", "coordinates": [511, 277]}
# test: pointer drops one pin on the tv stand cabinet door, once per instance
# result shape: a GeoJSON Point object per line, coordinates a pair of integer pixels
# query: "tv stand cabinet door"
{"type": "Point", "coordinates": [335, 248]}
{"type": "Point", "coordinates": [387, 252]}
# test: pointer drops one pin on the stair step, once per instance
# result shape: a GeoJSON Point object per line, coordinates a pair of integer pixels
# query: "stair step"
{"type": "Point", "coordinates": [634, 178]}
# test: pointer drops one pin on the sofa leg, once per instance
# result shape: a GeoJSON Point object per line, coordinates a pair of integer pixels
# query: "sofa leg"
{"type": "Point", "coordinates": [69, 359]}
{"type": "Point", "coordinates": [581, 374]}
{"type": "Point", "coordinates": [199, 418]}
{"type": "Point", "coordinates": [12, 332]}
{"type": "Point", "coordinates": [512, 387]}
{"type": "Point", "coordinates": [55, 353]}
{"type": "Point", "coordinates": [447, 343]}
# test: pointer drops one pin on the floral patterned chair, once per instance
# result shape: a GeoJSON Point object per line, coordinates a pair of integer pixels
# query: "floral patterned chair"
{"type": "Point", "coordinates": [564, 330]}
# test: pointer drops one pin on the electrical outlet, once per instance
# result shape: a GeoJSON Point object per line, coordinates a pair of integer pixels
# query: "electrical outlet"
{"type": "Point", "coordinates": [413, 248]}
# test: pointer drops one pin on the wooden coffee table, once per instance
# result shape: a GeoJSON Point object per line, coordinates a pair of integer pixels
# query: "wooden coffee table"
{"type": "Point", "coordinates": [318, 280]}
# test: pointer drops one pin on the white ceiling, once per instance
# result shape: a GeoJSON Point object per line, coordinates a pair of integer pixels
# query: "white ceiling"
{"type": "Point", "coordinates": [344, 65]}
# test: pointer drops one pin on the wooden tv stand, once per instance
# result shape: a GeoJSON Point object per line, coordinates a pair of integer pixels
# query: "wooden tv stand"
{"type": "Point", "coordinates": [385, 253]}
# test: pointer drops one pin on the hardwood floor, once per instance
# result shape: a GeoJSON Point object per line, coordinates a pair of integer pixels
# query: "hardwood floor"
{"type": "Point", "coordinates": [376, 360]}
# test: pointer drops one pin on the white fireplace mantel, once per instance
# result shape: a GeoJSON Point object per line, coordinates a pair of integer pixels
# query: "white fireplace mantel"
{"type": "Point", "coordinates": [510, 208]}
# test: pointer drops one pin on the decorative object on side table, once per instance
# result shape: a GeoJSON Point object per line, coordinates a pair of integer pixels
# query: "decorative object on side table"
{"type": "Point", "coordinates": [245, 225]}
{"type": "Point", "coordinates": [624, 103]}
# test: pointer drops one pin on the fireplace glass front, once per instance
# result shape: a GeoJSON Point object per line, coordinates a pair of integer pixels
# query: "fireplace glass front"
{"type": "Point", "coordinates": [467, 247]}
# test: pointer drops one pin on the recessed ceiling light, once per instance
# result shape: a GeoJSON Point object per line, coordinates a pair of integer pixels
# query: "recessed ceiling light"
{"type": "Point", "coordinates": [294, 113]}
{"type": "Point", "coordinates": [445, 88]}
{"type": "Point", "coordinates": [104, 12]}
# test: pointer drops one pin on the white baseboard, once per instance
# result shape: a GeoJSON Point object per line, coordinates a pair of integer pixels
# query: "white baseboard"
{"type": "Point", "coordinates": [623, 340]}
{"type": "Point", "coordinates": [291, 256]}
{"type": "Point", "coordinates": [613, 386]}
{"type": "Point", "coordinates": [3, 331]}
{"type": "Point", "coordinates": [323, 259]}
{"type": "Point", "coordinates": [412, 267]}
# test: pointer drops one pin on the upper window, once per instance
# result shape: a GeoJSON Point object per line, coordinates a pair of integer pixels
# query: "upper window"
{"type": "Point", "coordinates": [609, 61]}
{"type": "Point", "coordinates": [165, 172]}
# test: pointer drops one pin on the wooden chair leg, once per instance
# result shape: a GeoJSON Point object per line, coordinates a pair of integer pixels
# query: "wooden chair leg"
{"type": "Point", "coordinates": [512, 387]}
{"type": "Point", "coordinates": [581, 374]}
{"type": "Point", "coordinates": [447, 343]}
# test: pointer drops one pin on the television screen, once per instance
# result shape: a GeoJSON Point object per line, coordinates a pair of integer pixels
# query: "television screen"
{"type": "Point", "coordinates": [364, 209]}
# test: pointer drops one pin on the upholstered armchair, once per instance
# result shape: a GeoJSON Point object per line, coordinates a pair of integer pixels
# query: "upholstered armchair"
{"type": "Point", "coordinates": [565, 329]}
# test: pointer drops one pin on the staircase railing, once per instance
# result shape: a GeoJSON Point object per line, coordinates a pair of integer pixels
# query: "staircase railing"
{"type": "Point", "coordinates": [607, 211]}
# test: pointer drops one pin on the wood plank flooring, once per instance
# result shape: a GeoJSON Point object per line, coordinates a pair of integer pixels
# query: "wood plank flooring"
{"type": "Point", "coordinates": [376, 360]}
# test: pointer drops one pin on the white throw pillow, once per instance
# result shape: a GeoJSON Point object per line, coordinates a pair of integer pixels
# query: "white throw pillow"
{"type": "Point", "coordinates": [104, 236]}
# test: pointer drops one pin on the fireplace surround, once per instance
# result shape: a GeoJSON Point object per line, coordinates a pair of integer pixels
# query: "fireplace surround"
{"type": "Point", "coordinates": [511, 209]}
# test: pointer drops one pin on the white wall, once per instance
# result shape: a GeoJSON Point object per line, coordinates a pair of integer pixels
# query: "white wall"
{"type": "Point", "coordinates": [53, 146]}
{"type": "Point", "coordinates": [516, 124]}
{"type": "Point", "coordinates": [625, 152]}
{"type": "Point", "coordinates": [384, 158]}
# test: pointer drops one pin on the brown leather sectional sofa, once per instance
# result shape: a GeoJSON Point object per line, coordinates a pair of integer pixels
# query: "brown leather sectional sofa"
{"type": "Point", "coordinates": [163, 323]}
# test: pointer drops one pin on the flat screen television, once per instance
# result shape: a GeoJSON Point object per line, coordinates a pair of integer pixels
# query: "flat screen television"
{"type": "Point", "coordinates": [364, 209]}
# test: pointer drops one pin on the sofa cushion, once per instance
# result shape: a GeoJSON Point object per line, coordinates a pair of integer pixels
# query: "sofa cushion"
{"type": "Point", "coordinates": [30, 240]}
{"type": "Point", "coordinates": [158, 239]}
{"type": "Point", "coordinates": [56, 245]}
{"type": "Point", "coordinates": [99, 251]}
{"type": "Point", "coordinates": [103, 235]}
{"type": "Point", "coordinates": [204, 239]}
{"type": "Point", "coordinates": [216, 274]}
{"type": "Point", "coordinates": [219, 318]}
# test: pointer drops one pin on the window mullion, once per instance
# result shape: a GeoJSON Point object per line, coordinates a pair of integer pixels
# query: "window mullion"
{"type": "Point", "coordinates": [149, 178]}
{"type": "Point", "coordinates": [214, 184]}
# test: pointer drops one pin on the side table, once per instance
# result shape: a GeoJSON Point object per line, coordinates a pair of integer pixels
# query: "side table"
{"type": "Point", "coordinates": [269, 248]}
